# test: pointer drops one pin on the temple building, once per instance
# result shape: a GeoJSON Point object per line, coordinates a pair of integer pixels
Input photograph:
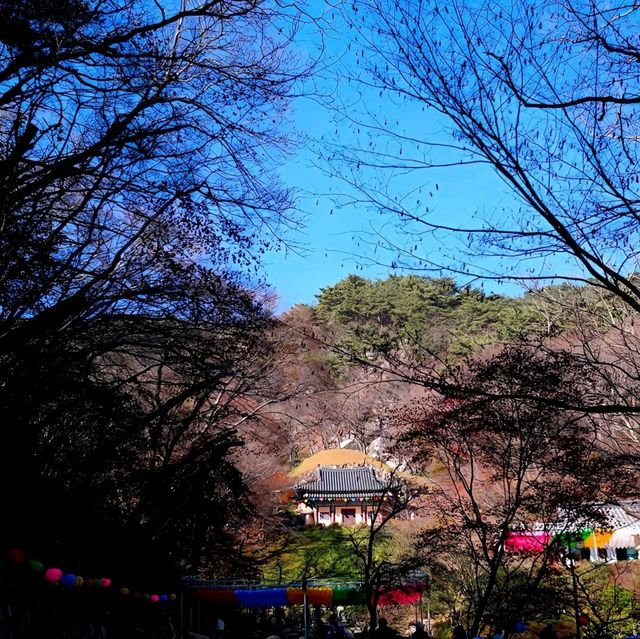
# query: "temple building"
{"type": "Point", "coordinates": [611, 533]}
{"type": "Point", "coordinates": [344, 496]}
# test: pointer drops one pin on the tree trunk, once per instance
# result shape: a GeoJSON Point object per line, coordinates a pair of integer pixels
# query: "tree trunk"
{"type": "Point", "coordinates": [372, 607]}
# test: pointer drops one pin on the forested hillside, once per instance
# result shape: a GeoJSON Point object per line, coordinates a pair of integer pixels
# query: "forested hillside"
{"type": "Point", "coordinates": [448, 380]}
{"type": "Point", "coordinates": [418, 313]}
{"type": "Point", "coordinates": [439, 317]}
{"type": "Point", "coordinates": [343, 353]}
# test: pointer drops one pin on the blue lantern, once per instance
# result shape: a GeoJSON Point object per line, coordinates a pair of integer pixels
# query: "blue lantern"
{"type": "Point", "coordinates": [68, 580]}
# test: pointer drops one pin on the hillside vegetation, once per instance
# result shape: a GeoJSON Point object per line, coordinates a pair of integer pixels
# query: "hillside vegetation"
{"type": "Point", "coordinates": [425, 321]}
{"type": "Point", "coordinates": [435, 316]}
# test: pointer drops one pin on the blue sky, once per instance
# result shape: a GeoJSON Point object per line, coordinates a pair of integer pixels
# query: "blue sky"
{"type": "Point", "coordinates": [335, 237]}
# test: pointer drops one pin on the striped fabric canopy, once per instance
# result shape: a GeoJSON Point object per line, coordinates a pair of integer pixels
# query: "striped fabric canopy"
{"type": "Point", "coordinates": [534, 542]}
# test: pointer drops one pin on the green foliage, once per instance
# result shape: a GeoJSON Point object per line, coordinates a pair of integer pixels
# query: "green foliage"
{"type": "Point", "coordinates": [435, 316]}
{"type": "Point", "coordinates": [313, 553]}
{"type": "Point", "coordinates": [479, 319]}
{"type": "Point", "coordinates": [422, 314]}
{"type": "Point", "coordinates": [609, 607]}
{"type": "Point", "coordinates": [318, 552]}
{"type": "Point", "coordinates": [397, 302]}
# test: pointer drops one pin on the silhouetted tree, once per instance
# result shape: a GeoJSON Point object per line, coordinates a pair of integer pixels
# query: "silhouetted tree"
{"type": "Point", "coordinates": [562, 142]}
{"type": "Point", "coordinates": [506, 460]}
{"type": "Point", "coordinates": [137, 149]}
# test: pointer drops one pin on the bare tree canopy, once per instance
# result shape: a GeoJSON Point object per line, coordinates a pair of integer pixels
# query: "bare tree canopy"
{"type": "Point", "coordinates": [544, 93]}
{"type": "Point", "coordinates": [509, 460]}
{"type": "Point", "coordinates": [137, 149]}
{"type": "Point", "coordinates": [138, 144]}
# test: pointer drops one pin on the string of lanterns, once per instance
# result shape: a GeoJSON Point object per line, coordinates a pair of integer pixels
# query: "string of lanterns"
{"type": "Point", "coordinates": [56, 576]}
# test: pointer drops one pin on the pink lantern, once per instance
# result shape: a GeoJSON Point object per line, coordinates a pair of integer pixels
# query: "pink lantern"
{"type": "Point", "coordinates": [155, 598]}
{"type": "Point", "coordinates": [105, 582]}
{"type": "Point", "coordinates": [527, 541]}
{"type": "Point", "coordinates": [54, 575]}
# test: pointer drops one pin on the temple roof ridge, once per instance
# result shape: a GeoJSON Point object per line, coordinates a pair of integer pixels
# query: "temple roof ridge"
{"type": "Point", "coordinates": [354, 481]}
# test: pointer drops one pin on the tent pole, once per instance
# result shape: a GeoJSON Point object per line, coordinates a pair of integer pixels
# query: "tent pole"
{"type": "Point", "coordinates": [181, 613]}
{"type": "Point", "coordinates": [304, 603]}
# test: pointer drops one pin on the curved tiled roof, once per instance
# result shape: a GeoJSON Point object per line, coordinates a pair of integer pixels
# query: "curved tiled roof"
{"type": "Point", "coordinates": [606, 516]}
{"type": "Point", "coordinates": [344, 482]}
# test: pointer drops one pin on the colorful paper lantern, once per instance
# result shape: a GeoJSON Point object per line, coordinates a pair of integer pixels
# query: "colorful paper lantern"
{"type": "Point", "coordinates": [402, 596]}
{"type": "Point", "coordinates": [220, 596]}
{"type": "Point", "coordinates": [583, 620]}
{"type": "Point", "coordinates": [520, 626]}
{"type": "Point", "coordinates": [124, 592]}
{"type": "Point", "coordinates": [315, 596]}
{"type": "Point", "coordinates": [262, 598]}
{"type": "Point", "coordinates": [347, 596]}
{"type": "Point", "coordinates": [16, 555]}
{"type": "Point", "coordinates": [164, 597]}
{"type": "Point", "coordinates": [35, 565]}
{"type": "Point", "coordinates": [527, 541]}
{"type": "Point", "coordinates": [573, 538]}
{"type": "Point", "coordinates": [89, 581]}
{"type": "Point", "coordinates": [54, 575]}
{"type": "Point", "coordinates": [155, 598]}
{"type": "Point", "coordinates": [105, 582]}
{"type": "Point", "coordinates": [173, 596]}
{"type": "Point", "coordinates": [79, 581]}
{"type": "Point", "coordinates": [68, 580]}
{"type": "Point", "coordinates": [146, 597]}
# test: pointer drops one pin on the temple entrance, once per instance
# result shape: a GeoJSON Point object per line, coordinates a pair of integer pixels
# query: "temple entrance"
{"type": "Point", "coordinates": [349, 516]}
